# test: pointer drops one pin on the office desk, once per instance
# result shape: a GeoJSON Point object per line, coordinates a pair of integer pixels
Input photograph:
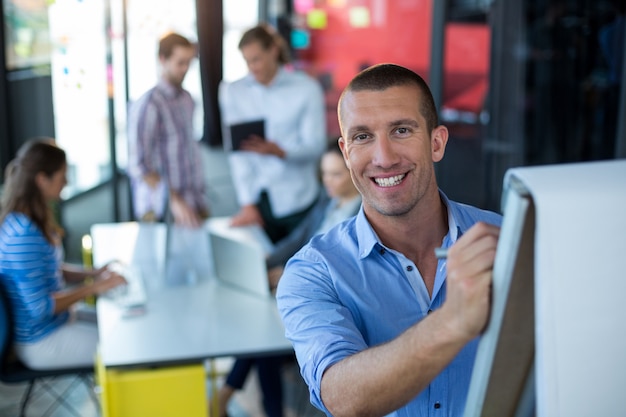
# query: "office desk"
{"type": "Point", "coordinates": [190, 323]}
{"type": "Point", "coordinates": [183, 324]}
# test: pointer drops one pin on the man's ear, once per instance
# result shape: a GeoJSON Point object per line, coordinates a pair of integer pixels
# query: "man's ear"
{"type": "Point", "coordinates": [342, 146]}
{"type": "Point", "coordinates": [438, 142]}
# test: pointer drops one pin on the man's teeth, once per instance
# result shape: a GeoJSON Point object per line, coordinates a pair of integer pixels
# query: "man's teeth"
{"type": "Point", "coordinates": [389, 182]}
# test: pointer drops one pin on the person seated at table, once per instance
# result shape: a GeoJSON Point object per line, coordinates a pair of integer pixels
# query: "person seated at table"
{"type": "Point", "coordinates": [32, 273]}
{"type": "Point", "coordinates": [338, 201]}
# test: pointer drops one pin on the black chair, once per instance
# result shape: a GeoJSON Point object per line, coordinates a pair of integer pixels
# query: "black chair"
{"type": "Point", "coordinates": [12, 371]}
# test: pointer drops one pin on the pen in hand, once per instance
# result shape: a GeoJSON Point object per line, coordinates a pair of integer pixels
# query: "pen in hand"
{"type": "Point", "coordinates": [441, 253]}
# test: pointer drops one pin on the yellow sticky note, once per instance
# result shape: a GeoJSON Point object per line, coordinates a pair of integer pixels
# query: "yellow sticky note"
{"type": "Point", "coordinates": [317, 19]}
{"type": "Point", "coordinates": [337, 3]}
{"type": "Point", "coordinates": [359, 17]}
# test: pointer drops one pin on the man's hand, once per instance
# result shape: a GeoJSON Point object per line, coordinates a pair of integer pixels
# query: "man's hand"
{"type": "Point", "coordinates": [183, 214]}
{"type": "Point", "coordinates": [257, 144]}
{"type": "Point", "coordinates": [470, 269]}
{"type": "Point", "coordinates": [152, 179]}
{"type": "Point", "coordinates": [247, 215]}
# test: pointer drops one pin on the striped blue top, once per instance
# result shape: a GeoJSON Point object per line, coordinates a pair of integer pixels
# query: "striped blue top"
{"type": "Point", "coordinates": [30, 271]}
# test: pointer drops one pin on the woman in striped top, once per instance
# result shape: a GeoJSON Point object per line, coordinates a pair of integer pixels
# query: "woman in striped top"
{"type": "Point", "coordinates": [32, 272]}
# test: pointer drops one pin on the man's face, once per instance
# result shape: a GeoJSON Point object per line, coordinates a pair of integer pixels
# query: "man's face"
{"type": "Point", "coordinates": [389, 149]}
{"type": "Point", "coordinates": [262, 63]}
{"type": "Point", "coordinates": [176, 66]}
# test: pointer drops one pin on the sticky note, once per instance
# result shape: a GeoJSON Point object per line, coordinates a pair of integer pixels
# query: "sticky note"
{"type": "Point", "coordinates": [317, 19]}
{"type": "Point", "coordinates": [359, 17]}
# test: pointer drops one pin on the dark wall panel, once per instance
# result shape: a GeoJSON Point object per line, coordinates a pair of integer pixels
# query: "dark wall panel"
{"type": "Point", "coordinates": [30, 109]}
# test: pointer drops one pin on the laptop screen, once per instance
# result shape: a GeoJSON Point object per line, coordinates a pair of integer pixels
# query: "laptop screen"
{"type": "Point", "coordinates": [239, 255]}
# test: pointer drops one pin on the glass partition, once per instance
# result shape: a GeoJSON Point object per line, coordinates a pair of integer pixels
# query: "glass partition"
{"type": "Point", "coordinates": [238, 17]}
{"type": "Point", "coordinates": [136, 69]}
{"type": "Point", "coordinates": [79, 90]}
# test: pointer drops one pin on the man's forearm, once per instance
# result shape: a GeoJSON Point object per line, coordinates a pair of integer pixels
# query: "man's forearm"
{"type": "Point", "coordinates": [384, 378]}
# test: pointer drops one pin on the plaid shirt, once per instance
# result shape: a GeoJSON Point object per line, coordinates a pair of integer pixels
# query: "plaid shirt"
{"type": "Point", "coordinates": [161, 140]}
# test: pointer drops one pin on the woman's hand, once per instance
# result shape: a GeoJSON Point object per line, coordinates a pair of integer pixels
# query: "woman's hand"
{"type": "Point", "coordinates": [107, 280]}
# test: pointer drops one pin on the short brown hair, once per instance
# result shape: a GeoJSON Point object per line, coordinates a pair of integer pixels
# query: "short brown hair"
{"type": "Point", "coordinates": [382, 76]}
{"type": "Point", "coordinates": [170, 41]}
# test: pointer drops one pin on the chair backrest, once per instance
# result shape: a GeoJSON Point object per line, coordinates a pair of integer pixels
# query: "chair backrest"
{"type": "Point", "coordinates": [5, 328]}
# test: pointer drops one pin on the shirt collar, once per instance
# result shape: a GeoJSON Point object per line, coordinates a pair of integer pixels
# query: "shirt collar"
{"type": "Point", "coordinates": [368, 239]}
{"type": "Point", "coordinates": [168, 89]}
{"type": "Point", "coordinates": [278, 78]}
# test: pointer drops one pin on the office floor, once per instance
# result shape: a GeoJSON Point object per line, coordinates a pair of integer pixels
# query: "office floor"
{"type": "Point", "coordinates": [246, 403]}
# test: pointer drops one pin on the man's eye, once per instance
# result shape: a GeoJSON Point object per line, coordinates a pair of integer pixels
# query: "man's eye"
{"type": "Point", "coordinates": [402, 130]}
{"type": "Point", "coordinates": [361, 137]}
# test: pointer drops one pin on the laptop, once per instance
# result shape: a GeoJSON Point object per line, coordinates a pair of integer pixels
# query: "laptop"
{"type": "Point", "coordinates": [239, 255]}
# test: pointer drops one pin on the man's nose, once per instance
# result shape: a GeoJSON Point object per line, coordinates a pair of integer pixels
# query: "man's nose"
{"type": "Point", "coordinates": [385, 153]}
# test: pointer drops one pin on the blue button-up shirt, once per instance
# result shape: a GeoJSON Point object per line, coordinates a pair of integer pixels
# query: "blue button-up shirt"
{"type": "Point", "coordinates": [345, 292]}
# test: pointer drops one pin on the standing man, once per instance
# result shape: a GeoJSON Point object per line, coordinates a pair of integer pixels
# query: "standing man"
{"type": "Point", "coordinates": [276, 177]}
{"type": "Point", "coordinates": [164, 158]}
{"type": "Point", "coordinates": [380, 326]}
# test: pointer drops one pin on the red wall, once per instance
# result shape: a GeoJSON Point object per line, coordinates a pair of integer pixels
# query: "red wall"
{"type": "Point", "coordinates": [399, 31]}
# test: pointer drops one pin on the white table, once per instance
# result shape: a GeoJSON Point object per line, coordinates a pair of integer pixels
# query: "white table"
{"type": "Point", "coordinates": [182, 324]}
{"type": "Point", "coordinates": [190, 323]}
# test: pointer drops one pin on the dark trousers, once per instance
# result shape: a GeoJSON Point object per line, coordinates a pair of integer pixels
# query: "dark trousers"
{"type": "Point", "coordinates": [269, 372]}
{"type": "Point", "coordinates": [279, 227]}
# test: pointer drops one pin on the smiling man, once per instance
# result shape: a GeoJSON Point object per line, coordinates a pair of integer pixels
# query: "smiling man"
{"type": "Point", "coordinates": [380, 326]}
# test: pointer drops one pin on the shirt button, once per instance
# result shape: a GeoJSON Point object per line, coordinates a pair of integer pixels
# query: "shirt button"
{"type": "Point", "coordinates": [409, 268]}
{"type": "Point", "coordinates": [430, 311]}
{"type": "Point", "coordinates": [437, 405]}
{"type": "Point", "coordinates": [382, 251]}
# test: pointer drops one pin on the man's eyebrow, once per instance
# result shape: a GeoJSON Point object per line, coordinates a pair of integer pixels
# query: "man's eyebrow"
{"type": "Point", "coordinates": [400, 122]}
{"type": "Point", "coordinates": [359, 128]}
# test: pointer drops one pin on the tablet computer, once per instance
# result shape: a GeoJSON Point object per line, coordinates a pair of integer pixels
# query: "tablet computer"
{"type": "Point", "coordinates": [241, 131]}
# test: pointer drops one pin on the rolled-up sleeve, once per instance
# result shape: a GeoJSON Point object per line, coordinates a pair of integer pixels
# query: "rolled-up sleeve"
{"type": "Point", "coordinates": [321, 329]}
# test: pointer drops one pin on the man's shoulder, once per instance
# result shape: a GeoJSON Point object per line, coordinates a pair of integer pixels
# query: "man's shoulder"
{"type": "Point", "coordinates": [341, 238]}
{"type": "Point", "coordinates": [144, 100]}
{"type": "Point", "coordinates": [242, 83]}
{"type": "Point", "coordinates": [302, 79]}
{"type": "Point", "coordinates": [471, 214]}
